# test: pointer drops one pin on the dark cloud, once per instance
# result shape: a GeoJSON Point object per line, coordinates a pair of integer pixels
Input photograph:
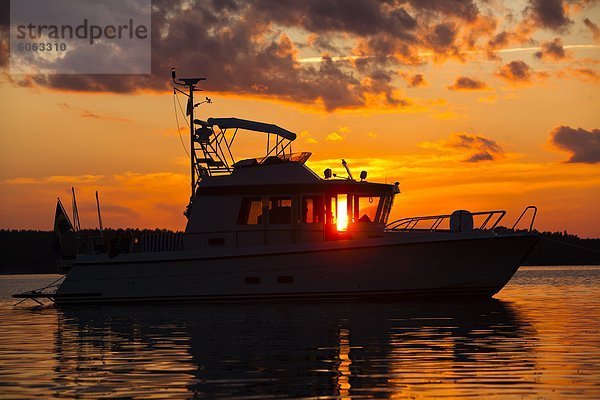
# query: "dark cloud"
{"type": "Point", "coordinates": [416, 81]}
{"type": "Point", "coordinates": [548, 14]}
{"type": "Point", "coordinates": [516, 71]}
{"type": "Point", "coordinates": [552, 50]}
{"type": "Point", "coordinates": [359, 17]}
{"type": "Point", "coordinates": [465, 9]}
{"type": "Point", "coordinates": [441, 37]}
{"type": "Point", "coordinates": [4, 33]}
{"type": "Point", "coordinates": [499, 40]}
{"type": "Point", "coordinates": [583, 145]}
{"type": "Point", "coordinates": [239, 46]}
{"type": "Point", "coordinates": [324, 43]}
{"type": "Point", "coordinates": [466, 83]}
{"type": "Point", "coordinates": [594, 28]}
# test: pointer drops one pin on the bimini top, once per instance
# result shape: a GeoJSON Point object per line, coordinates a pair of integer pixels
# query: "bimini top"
{"type": "Point", "coordinates": [226, 123]}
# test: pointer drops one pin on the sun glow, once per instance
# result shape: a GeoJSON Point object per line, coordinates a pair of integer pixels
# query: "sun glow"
{"type": "Point", "coordinates": [342, 212]}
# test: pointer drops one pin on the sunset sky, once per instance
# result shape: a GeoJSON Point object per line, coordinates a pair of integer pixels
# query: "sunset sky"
{"type": "Point", "coordinates": [468, 104]}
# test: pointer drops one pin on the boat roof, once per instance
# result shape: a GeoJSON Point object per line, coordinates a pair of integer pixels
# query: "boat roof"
{"type": "Point", "coordinates": [284, 177]}
{"type": "Point", "coordinates": [226, 123]}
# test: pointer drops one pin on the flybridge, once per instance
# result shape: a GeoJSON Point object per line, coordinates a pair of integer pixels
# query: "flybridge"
{"type": "Point", "coordinates": [211, 140]}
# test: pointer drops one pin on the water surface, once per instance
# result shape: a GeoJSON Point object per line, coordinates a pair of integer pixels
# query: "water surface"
{"type": "Point", "coordinates": [539, 338]}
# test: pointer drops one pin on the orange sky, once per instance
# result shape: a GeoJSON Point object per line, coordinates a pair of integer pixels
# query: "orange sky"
{"type": "Point", "coordinates": [475, 133]}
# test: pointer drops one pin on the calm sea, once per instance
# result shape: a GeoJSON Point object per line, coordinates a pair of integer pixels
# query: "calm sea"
{"type": "Point", "coordinates": [539, 339]}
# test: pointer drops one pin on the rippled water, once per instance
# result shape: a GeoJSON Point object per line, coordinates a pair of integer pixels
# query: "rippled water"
{"type": "Point", "coordinates": [540, 338]}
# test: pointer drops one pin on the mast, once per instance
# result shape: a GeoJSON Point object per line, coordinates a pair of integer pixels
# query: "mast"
{"type": "Point", "coordinates": [190, 111]}
{"type": "Point", "coordinates": [99, 216]}
{"type": "Point", "coordinates": [76, 223]}
{"type": "Point", "coordinates": [189, 83]}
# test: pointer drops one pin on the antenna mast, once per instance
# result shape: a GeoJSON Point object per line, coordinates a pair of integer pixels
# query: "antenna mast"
{"type": "Point", "coordinates": [190, 84]}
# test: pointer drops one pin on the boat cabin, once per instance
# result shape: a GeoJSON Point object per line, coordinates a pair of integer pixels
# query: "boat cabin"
{"type": "Point", "coordinates": [283, 201]}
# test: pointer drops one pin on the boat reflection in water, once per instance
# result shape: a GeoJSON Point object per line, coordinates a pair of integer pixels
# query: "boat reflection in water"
{"type": "Point", "coordinates": [296, 350]}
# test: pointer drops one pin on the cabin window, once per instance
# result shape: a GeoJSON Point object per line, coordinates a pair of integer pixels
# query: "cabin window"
{"type": "Point", "coordinates": [366, 208]}
{"type": "Point", "coordinates": [312, 210]}
{"type": "Point", "coordinates": [342, 212]}
{"type": "Point", "coordinates": [250, 211]}
{"type": "Point", "coordinates": [280, 210]}
{"type": "Point", "coordinates": [337, 211]}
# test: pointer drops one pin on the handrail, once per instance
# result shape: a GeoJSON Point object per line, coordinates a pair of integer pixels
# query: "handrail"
{"type": "Point", "coordinates": [408, 224]}
{"type": "Point", "coordinates": [534, 208]}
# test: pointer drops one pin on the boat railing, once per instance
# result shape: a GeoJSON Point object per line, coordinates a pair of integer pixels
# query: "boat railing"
{"type": "Point", "coordinates": [411, 223]}
{"type": "Point", "coordinates": [491, 219]}
{"type": "Point", "coordinates": [532, 221]}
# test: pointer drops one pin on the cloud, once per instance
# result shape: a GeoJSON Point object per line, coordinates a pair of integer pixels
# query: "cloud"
{"type": "Point", "coordinates": [260, 48]}
{"type": "Point", "coordinates": [550, 14]}
{"type": "Point", "coordinates": [515, 72]}
{"type": "Point", "coordinates": [70, 180]}
{"type": "Point", "coordinates": [470, 147]}
{"type": "Point", "coordinates": [583, 145]}
{"type": "Point", "coordinates": [585, 74]}
{"type": "Point", "coordinates": [250, 55]}
{"type": "Point", "coordinates": [307, 137]}
{"type": "Point", "coordinates": [594, 28]}
{"type": "Point", "coordinates": [553, 50]}
{"type": "Point", "coordinates": [335, 137]}
{"type": "Point", "coordinates": [416, 81]}
{"type": "Point", "coordinates": [466, 84]}
{"type": "Point", "coordinates": [582, 72]}
{"type": "Point", "coordinates": [89, 114]}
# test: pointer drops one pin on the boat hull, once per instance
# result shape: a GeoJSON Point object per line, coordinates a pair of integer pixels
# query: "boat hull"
{"type": "Point", "coordinates": [389, 268]}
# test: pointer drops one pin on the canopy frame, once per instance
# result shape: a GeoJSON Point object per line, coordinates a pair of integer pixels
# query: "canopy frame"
{"type": "Point", "coordinates": [211, 151]}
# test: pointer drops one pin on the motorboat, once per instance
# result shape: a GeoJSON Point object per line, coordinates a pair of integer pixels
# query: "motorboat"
{"type": "Point", "coordinates": [269, 229]}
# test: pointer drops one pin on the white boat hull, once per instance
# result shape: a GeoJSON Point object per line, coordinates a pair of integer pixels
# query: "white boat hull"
{"type": "Point", "coordinates": [390, 267]}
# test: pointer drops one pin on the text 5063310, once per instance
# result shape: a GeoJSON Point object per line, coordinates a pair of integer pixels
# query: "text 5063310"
{"type": "Point", "coordinates": [42, 46]}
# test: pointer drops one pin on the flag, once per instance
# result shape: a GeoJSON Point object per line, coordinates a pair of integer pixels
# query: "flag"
{"type": "Point", "coordinates": [190, 107]}
{"type": "Point", "coordinates": [62, 224]}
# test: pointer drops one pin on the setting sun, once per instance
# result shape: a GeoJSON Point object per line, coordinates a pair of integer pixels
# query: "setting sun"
{"type": "Point", "coordinates": [342, 212]}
